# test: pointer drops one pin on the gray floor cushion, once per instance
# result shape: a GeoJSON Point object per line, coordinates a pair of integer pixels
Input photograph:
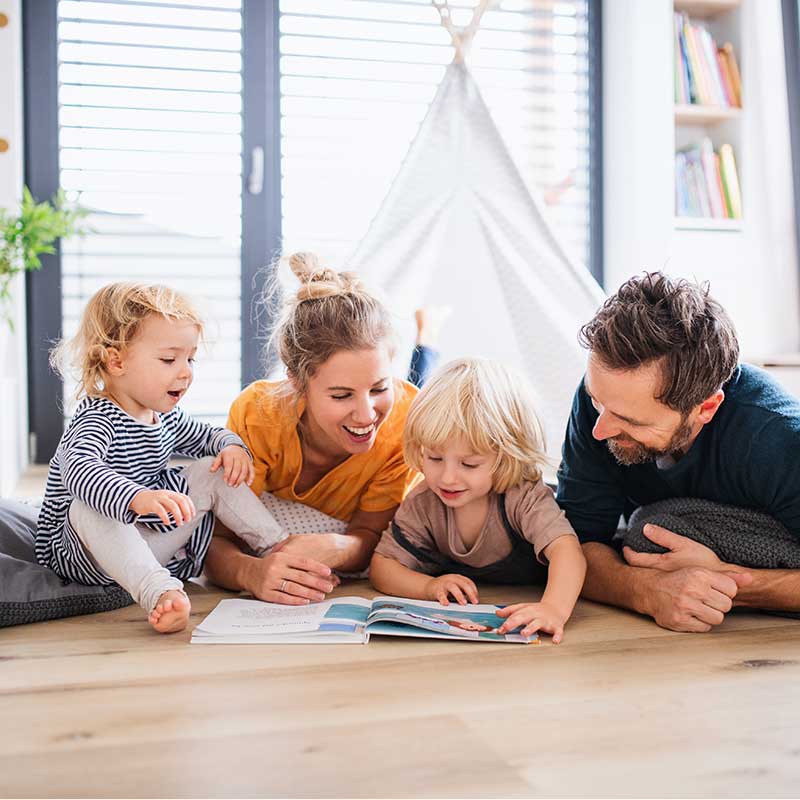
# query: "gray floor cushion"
{"type": "Point", "coordinates": [30, 592]}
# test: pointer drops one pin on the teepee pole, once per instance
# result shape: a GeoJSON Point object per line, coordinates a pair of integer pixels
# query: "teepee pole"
{"type": "Point", "coordinates": [461, 37]}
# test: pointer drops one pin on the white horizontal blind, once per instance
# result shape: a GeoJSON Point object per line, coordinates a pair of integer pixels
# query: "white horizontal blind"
{"type": "Point", "coordinates": [150, 134]}
{"type": "Point", "coordinates": [357, 77]}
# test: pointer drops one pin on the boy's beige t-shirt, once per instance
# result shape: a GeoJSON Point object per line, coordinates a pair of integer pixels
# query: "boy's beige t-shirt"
{"type": "Point", "coordinates": [430, 525]}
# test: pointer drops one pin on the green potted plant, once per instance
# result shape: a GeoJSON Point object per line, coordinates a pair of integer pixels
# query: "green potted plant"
{"type": "Point", "coordinates": [30, 233]}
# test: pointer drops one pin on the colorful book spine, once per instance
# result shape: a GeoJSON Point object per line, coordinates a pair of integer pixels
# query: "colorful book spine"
{"type": "Point", "coordinates": [725, 75]}
{"type": "Point", "coordinates": [730, 179]}
{"type": "Point", "coordinates": [715, 201]}
{"type": "Point", "coordinates": [692, 95]}
{"type": "Point", "coordinates": [727, 213]}
{"type": "Point", "coordinates": [733, 67]}
{"type": "Point", "coordinates": [681, 87]}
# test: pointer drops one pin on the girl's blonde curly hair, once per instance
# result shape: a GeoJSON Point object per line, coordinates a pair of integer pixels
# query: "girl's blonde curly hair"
{"type": "Point", "coordinates": [112, 319]}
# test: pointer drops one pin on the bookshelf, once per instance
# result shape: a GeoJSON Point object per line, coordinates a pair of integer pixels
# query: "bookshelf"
{"type": "Point", "coordinates": [694, 115]}
{"type": "Point", "coordinates": [721, 124]}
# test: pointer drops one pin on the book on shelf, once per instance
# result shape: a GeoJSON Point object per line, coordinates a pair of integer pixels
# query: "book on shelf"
{"type": "Point", "coordinates": [730, 180]}
{"type": "Point", "coordinates": [707, 183]}
{"type": "Point", "coordinates": [704, 73]}
{"type": "Point", "coordinates": [350, 620]}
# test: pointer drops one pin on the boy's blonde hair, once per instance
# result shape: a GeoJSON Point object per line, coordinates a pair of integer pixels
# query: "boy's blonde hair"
{"type": "Point", "coordinates": [490, 407]}
{"type": "Point", "coordinates": [330, 312]}
{"type": "Point", "coordinates": [112, 319]}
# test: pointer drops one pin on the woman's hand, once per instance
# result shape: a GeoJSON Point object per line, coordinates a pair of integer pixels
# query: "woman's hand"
{"type": "Point", "coordinates": [459, 587]}
{"type": "Point", "coordinates": [290, 579]}
{"type": "Point", "coordinates": [534, 617]}
{"type": "Point", "coordinates": [329, 548]}
{"type": "Point", "coordinates": [236, 465]}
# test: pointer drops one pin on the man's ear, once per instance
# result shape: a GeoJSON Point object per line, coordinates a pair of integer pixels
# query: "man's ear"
{"type": "Point", "coordinates": [709, 406]}
{"type": "Point", "coordinates": [113, 363]}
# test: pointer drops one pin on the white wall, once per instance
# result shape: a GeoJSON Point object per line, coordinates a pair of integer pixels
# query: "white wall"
{"type": "Point", "coordinates": [753, 272]}
{"type": "Point", "coordinates": [13, 402]}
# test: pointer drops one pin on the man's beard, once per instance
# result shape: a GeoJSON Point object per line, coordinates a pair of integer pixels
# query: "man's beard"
{"type": "Point", "coordinates": [637, 453]}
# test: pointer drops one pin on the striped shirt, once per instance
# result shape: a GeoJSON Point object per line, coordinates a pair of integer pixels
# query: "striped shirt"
{"type": "Point", "coordinates": [104, 458]}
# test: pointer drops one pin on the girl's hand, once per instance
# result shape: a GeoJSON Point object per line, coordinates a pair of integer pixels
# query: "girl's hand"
{"type": "Point", "coordinates": [236, 464]}
{"type": "Point", "coordinates": [455, 585]}
{"type": "Point", "coordinates": [535, 617]}
{"type": "Point", "coordinates": [163, 503]}
{"type": "Point", "coordinates": [289, 579]}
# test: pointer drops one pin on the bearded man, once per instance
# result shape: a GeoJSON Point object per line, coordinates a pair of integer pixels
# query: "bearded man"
{"type": "Point", "coordinates": [666, 411]}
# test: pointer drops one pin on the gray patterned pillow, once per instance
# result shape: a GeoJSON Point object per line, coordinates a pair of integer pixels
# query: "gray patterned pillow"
{"type": "Point", "coordinates": [30, 592]}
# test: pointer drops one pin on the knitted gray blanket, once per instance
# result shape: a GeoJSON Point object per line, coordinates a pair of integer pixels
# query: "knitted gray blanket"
{"type": "Point", "coordinates": [737, 535]}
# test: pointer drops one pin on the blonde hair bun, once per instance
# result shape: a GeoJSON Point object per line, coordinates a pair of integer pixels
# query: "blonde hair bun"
{"type": "Point", "coordinates": [318, 281]}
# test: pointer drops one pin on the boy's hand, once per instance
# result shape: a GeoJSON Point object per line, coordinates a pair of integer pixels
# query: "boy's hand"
{"type": "Point", "coordinates": [455, 585]}
{"type": "Point", "coordinates": [165, 504]}
{"type": "Point", "coordinates": [236, 464]}
{"type": "Point", "coordinates": [535, 617]}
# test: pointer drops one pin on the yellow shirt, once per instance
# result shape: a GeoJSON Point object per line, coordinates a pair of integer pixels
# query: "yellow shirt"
{"type": "Point", "coordinates": [375, 480]}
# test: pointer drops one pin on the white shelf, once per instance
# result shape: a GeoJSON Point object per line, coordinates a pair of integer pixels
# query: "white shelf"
{"type": "Point", "coordinates": [705, 115]}
{"type": "Point", "coordinates": [706, 9]}
{"type": "Point", "coordinates": [708, 224]}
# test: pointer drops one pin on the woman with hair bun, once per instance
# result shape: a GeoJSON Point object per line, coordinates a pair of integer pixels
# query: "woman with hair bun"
{"type": "Point", "coordinates": [328, 436]}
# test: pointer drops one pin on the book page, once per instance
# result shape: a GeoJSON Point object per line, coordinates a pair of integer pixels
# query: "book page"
{"type": "Point", "coordinates": [244, 617]}
{"type": "Point", "coordinates": [463, 622]}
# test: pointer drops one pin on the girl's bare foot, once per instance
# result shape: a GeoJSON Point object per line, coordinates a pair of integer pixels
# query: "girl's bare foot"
{"type": "Point", "coordinates": [171, 612]}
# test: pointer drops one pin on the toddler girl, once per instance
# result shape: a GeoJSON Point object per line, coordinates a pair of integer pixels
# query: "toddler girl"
{"type": "Point", "coordinates": [483, 511]}
{"type": "Point", "coordinates": [114, 511]}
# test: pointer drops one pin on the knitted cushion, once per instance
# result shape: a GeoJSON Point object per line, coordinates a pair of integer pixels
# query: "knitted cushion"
{"type": "Point", "coordinates": [30, 592]}
{"type": "Point", "coordinates": [740, 536]}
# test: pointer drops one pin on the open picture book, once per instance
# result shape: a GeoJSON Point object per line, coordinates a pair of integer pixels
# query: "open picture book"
{"type": "Point", "coordinates": [350, 620]}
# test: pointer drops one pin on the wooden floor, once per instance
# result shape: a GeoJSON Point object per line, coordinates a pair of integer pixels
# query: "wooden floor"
{"type": "Point", "coordinates": [101, 707]}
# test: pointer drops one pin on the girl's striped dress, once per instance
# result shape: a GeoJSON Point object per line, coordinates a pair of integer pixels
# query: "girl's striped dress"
{"type": "Point", "coordinates": [104, 458]}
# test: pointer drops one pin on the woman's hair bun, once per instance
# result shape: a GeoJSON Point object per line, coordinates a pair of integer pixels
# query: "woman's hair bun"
{"type": "Point", "coordinates": [318, 281]}
{"type": "Point", "coordinates": [307, 268]}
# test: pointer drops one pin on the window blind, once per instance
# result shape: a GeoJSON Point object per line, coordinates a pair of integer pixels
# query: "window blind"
{"type": "Point", "coordinates": [357, 77]}
{"type": "Point", "coordinates": [150, 135]}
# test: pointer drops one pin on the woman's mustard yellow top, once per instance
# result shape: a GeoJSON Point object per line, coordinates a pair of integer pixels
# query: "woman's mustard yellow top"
{"type": "Point", "coordinates": [376, 480]}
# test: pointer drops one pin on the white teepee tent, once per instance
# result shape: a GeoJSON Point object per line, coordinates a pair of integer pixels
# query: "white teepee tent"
{"type": "Point", "coordinates": [460, 228]}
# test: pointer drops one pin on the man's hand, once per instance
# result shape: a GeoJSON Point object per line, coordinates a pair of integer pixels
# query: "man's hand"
{"type": "Point", "coordinates": [692, 599]}
{"type": "Point", "coordinates": [681, 552]}
{"type": "Point", "coordinates": [164, 504]}
{"type": "Point", "coordinates": [236, 464]}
